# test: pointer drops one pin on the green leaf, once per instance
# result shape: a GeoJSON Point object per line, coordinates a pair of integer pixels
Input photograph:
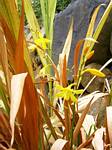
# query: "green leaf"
{"type": "Point", "coordinates": [34, 27]}
{"type": "Point", "coordinates": [9, 12]}
{"type": "Point", "coordinates": [101, 23]}
{"type": "Point", "coordinates": [44, 70]}
{"type": "Point", "coordinates": [33, 23]}
{"type": "Point", "coordinates": [2, 105]}
{"type": "Point", "coordinates": [48, 12]}
{"type": "Point", "coordinates": [91, 26]}
{"type": "Point", "coordinates": [10, 22]}
{"type": "Point", "coordinates": [3, 96]}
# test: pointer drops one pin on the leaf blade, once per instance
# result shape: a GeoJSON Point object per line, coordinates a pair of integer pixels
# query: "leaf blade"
{"type": "Point", "coordinates": [17, 85]}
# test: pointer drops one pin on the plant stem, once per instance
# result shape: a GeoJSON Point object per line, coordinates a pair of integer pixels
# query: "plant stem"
{"type": "Point", "coordinates": [51, 95]}
{"type": "Point", "coordinates": [72, 129]}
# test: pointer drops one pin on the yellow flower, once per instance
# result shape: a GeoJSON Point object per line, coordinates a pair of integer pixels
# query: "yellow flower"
{"type": "Point", "coordinates": [41, 41]}
{"type": "Point", "coordinates": [67, 93]}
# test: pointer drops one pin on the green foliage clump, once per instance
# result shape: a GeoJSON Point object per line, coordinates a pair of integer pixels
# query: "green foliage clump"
{"type": "Point", "coordinates": [37, 9]}
{"type": "Point", "coordinates": [62, 4]}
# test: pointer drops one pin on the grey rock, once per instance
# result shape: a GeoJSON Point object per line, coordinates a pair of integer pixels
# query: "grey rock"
{"type": "Point", "coordinates": [81, 11]}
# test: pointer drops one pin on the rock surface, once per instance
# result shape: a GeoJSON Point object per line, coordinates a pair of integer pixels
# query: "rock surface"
{"type": "Point", "coordinates": [81, 10]}
{"type": "Point", "coordinates": [98, 82]}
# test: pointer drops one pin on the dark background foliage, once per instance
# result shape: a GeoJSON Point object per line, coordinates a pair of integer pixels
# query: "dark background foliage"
{"type": "Point", "coordinates": [61, 5]}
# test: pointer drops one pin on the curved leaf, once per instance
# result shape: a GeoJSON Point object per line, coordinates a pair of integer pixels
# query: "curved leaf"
{"type": "Point", "coordinates": [109, 122]}
{"type": "Point", "coordinates": [94, 72]}
{"type": "Point", "coordinates": [59, 144]}
{"type": "Point", "coordinates": [17, 84]}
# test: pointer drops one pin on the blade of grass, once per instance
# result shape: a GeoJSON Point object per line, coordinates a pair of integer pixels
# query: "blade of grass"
{"type": "Point", "coordinates": [47, 119]}
{"type": "Point", "coordinates": [86, 143]}
{"type": "Point", "coordinates": [59, 116]}
{"type": "Point", "coordinates": [29, 116]}
{"type": "Point", "coordinates": [80, 121]}
{"type": "Point", "coordinates": [48, 12]}
{"type": "Point", "coordinates": [30, 99]}
{"type": "Point", "coordinates": [5, 132]}
{"type": "Point", "coordinates": [11, 42]}
{"type": "Point", "coordinates": [66, 103]}
{"type": "Point", "coordinates": [64, 72]}
{"type": "Point", "coordinates": [9, 13]}
{"type": "Point", "coordinates": [19, 53]}
{"type": "Point", "coordinates": [67, 119]}
{"type": "Point", "coordinates": [101, 23]}
{"type": "Point", "coordinates": [10, 22]}
{"type": "Point", "coordinates": [76, 58]}
{"type": "Point", "coordinates": [52, 7]}
{"type": "Point", "coordinates": [4, 97]}
{"type": "Point", "coordinates": [91, 25]}
{"type": "Point", "coordinates": [34, 27]}
{"type": "Point", "coordinates": [33, 23]}
{"type": "Point", "coordinates": [4, 59]}
{"type": "Point", "coordinates": [67, 45]}
{"type": "Point", "coordinates": [54, 68]}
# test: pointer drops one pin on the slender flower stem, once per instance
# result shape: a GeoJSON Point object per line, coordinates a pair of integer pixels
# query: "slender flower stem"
{"type": "Point", "coordinates": [72, 129]}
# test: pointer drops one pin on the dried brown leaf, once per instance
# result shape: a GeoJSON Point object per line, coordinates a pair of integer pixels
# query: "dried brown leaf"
{"type": "Point", "coordinates": [28, 115]}
{"type": "Point", "coordinates": [84, 100]}
{"type": "Point", "coordinates": [76, 57]}
{"type": "Point", "coordinates": [64, 72]}
{"type": "Point", "coordinates": [4, 58]}
{"type": "Point", "coordinates": [17, 85]}
{"type": "Point", "coordinates": [59, 144]}
{"type": "Point", "coordinates": [85, 149]}
{"type": "Point", "coordinates": [97, 141]}
{"type": "Point", "coordinates": [48, 121]}
{"type": "Point", "coordinates": [86, 143]}
{"type": "Point", "coordinates": [80, 121]}
{"type": "Point", "coordinates": [19, 53]}
{"type": "Point", "coordinates": [109, 122]}
{"type": "Point", "coordinates": [88, 123]}
{"type": "Point", "coordinates": [66, 49]}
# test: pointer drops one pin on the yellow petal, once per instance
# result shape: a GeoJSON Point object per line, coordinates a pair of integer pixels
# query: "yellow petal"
{"type": "Point", "coordinates": [44, 46]}
{"type": "Point", "coordinates": [47, 40]}
{"type": "Point", "coordinates": [94, 72]}
{"type": "Point", "coordinates": [40, 35]}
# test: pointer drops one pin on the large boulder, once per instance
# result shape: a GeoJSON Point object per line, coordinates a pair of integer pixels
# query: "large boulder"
{"type": "Point", "coordinates": [81, 11]}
